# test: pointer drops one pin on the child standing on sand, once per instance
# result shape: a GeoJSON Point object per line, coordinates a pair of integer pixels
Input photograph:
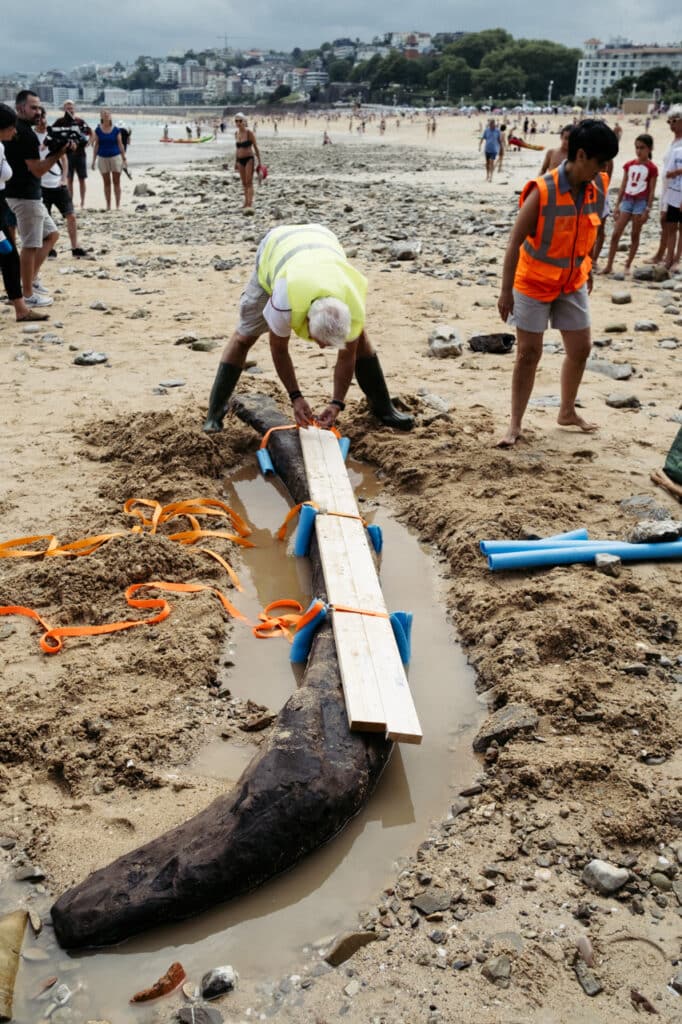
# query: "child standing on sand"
{"type": "Point", "coordinates": [547, 272]}
{"type": "Point", "coordinates": [635, 198]}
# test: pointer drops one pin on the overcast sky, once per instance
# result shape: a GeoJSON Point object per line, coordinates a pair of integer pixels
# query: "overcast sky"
{"type": "Point", "coordinates": [71, 32]}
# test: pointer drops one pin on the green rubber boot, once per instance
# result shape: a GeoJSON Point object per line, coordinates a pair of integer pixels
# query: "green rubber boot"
{"type": "Point", "coordinates": [224, 384]}
{"type": "Point", "coordinates": [370, 377]}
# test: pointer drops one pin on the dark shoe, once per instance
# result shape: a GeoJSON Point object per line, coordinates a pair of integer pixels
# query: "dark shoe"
{"type": "Point", "coordinates": [370, 377]}
{"type": "Point", "coordinates": [224, 384]}
{"type": "Point", "coordinates": [52, 254]}
{"type": "Point", "coordinates": [32, 316]}
{"type": "Point", "coordinates": [78, 252]}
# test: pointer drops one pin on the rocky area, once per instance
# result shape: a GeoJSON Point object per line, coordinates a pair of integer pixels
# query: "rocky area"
{"type": "Point", "coordinates": [551, 889]}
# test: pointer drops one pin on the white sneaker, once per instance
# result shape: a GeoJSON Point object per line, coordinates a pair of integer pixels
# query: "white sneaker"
{"type": "Point", "coordinates": [39, 287]}
{"type": "Point", "coordinates": [38, 300]}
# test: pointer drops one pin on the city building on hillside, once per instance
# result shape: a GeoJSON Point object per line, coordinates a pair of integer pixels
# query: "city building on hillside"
{"type": "Point", "coordinates": [314, 77]}
{"type": "Point", "coordinates": [366, 51]}
{"type": "Point", "coordinates": [602, 65]}
{"type": "Point", "coordinates": [169, 72]}
{"type": "Point", "coordinates": [343, 49]}
{"type": "Point", "coordinates": [115, 97]}
{"type": "Point", "coordinates": [419, 41]}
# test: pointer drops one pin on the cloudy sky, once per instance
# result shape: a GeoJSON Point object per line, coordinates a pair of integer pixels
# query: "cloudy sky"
{"type": "Point", "coordinates": [72, 32]}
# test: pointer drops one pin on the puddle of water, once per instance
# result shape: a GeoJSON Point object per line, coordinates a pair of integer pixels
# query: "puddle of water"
{"type": "Point", "coordinates": [262, 934]}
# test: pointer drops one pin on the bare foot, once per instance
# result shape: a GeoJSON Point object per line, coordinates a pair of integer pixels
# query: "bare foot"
{"type": "Point", "coordinates": [605, 270]}
{"type": "Point", "coordinates": [509, 439]}
{"type": "Point", "coordinates": [573, 420]}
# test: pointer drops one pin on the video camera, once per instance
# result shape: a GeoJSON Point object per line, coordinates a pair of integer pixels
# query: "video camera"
{"type": "Point", "coordinates": [57, 138]}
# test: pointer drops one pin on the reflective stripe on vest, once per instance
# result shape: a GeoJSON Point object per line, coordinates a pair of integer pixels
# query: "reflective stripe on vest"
{"type": "Point", "coordinates": [551, 209]}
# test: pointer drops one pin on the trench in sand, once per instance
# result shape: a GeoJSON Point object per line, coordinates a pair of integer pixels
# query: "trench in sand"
{"type": "Point", "coordinates": [264, 935]}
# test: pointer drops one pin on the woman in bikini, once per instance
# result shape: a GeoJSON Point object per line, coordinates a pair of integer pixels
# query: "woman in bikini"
{"type": "Point", "coordinates": [247, 158]}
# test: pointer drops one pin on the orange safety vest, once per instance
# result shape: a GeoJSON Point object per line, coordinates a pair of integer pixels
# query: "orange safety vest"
{"type": "Point", "coordinates": [556, 258]}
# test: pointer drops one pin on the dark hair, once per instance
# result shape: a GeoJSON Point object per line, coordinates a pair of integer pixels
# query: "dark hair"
{"type": "Point", "coordinates": [647, 140]}
{"type": "Point", "coordinates": [595, 138]}
{"type": "Point", "coordinates": [8, 117]}
{"type": "Point", "coordinates": [567, 128]}
{"type": "Point", "coordinates": [23, 95]}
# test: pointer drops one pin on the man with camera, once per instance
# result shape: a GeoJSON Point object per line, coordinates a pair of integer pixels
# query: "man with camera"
{"type": "Point", "coordinates": [25, 199]}
{"type": "Point", "coordinates": [78, 162]}
{"type": "Point", "coordinates": [54, 188]}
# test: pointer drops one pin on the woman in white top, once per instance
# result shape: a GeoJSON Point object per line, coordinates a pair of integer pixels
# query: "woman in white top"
{"type": "Point", "coordinates": [9, 257]}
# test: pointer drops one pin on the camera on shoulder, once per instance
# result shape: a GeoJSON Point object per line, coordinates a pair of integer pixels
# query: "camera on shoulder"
{"type": "Point", "coordinates": [57, 138]}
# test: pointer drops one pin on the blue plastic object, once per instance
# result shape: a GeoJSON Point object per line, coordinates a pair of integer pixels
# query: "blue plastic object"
{"type": "Point", "coordinates": [303, 638]}
{"type": "Point", "coordinates": [489, 546]}
{"type": "Point", "coordinates": [304, 531]}
{"type": "Point", "coordinates": [264, 461]}
{"type": "Point", "coordinates": [376, 537]}
{"type": "Point", "coordinates": [583, 552]}
{"type": "Point", "coordinates": [344, 445]}
{"type": "Point", "coordinates": [402, 631]}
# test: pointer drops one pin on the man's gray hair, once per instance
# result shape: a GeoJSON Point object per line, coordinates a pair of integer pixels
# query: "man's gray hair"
{"type": "Point", "coordinates": [329, 321]}
{"type": "Point", "coordinates": [674, 111]}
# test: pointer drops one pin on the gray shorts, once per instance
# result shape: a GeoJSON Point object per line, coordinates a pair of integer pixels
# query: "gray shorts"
{"type": "Point", "coordinates": [570, 312]}
{"type": "Point", "coordinates": [251, 305]}
{"type": "Point", "coordinates": [33, 221]}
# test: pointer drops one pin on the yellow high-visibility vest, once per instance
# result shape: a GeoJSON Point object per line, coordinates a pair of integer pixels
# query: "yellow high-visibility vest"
{"type": "Point", "coordinates": [311, 260]}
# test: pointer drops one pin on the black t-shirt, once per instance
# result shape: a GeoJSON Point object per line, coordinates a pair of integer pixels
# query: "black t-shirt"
{"type": "Point", "coordinates": [25, 146]}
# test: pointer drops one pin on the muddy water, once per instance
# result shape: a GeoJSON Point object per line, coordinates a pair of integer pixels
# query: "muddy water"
{"type": "Point", "coordinates": [262, 935]}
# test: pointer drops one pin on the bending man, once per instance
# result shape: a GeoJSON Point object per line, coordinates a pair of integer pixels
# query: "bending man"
{"type": "Point", "coordinates": [303, 283]}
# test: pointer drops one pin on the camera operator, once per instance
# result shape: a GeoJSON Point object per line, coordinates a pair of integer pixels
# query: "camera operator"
{"type": "Point", "coordinates": [54, 187]}
{"type": "Point", "coordinates": [78, 161]}
{"type": "Point", "coordinates": [24, 197]}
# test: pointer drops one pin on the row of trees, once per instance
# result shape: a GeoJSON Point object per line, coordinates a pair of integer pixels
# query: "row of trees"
{"type": "Point", "coordinates": [479, 64]}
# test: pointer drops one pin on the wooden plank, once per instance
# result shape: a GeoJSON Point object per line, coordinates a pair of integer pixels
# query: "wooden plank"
{"type": "Point", "coordinates": [374, 683]}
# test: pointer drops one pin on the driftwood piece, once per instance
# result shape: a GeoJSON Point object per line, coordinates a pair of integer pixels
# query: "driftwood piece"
{"type": "Point", "coordinates": [311, 778]}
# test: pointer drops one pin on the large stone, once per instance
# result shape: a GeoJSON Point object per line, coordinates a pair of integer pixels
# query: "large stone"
{"type": "Point", "coordinates": [616, 371]}
{"type": "Point", "coordinates": [505, 723]}
{"type": "Point", "coordinates": [655, 531]}
{"type": "Point", "coordinates": [610, 565]}
{"type": "Point", "coordinates": [589, 983]}
{"type": "Point", "coordinates": [408, 250]}
{"type": "Point", "coordinates": [621, 298]}
{"type": "Point", "coordinates": [623, 402]}
{"type": "Point", "coordinates": [604, 878]}
{"type": "Point", "coordinates": [432, 902]}
{"type": "Point", "coordinates": [646, 325]}
{"type": "Point", "coordinates": [199, 1015]}
{"type": "Point", "coordinates": [445, 342]}
{"type": "Point", "coordinates": [498, 971]}
{"type": "Point", "coordinates": [218, 981]}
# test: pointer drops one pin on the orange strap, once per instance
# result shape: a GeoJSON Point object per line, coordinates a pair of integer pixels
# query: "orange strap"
{"type": "Point", "coordinates": [359, 611]}
{"type": "Point", "coordinates": [282, 532]}
{"type": "Point", "coordinates": [294, 426]}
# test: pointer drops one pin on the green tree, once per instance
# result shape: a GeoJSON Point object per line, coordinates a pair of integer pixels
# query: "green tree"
{"type": "Point", "coordinates": [451, 77]}
{"type": "Point", "coordinates": [339, 70]}
{"type": "Point", "coordinates": [280, 92]}
{"type": "Point", "coordinates": [475, 45]}
{"type": "Point", "coordinates": [661, 78]}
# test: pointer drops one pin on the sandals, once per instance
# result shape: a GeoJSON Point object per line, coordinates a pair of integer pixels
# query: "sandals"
{"type": "Point", "coordinates": [32, 315]}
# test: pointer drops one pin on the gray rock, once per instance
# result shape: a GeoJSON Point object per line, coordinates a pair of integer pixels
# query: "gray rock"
{"type": "Point", "coordinates": [505, 723]}
{"type": "Point", "coordinates": [99, 306]}
{"type": "Point", "coordinates": [498, 971]}
{"type": "Point", "coordinates": [217, 981]}
{"type": "Point", "coordinates": [604, 878]}
{"type": "Point", "coordinates": [621, 298]}
{"type": "Point", "coordinates": [199, 1015]}
{"type": "Point", "coordinates": [408, 250]}
{"type": "Point", "coordinates": [589, 982]}
{"type": "Point", "coordinates": [676, 982]}
{"type": "Point", "coordinates": [645, 325]}
{"type": "Point", "coordinates": [661, 881]}
{"type": "Point", "coordinates": [669, 343]}
{"type": "Point", "coordinates": [643, 506]}
{"type": "Point", "coordinates": [655, 531]}
{"type": "Point", "coordinates": [344, 946]}
{"type": "Point", "coordinates": [91, 358]}
{"type": "Point", "coordinates": [616, 328]}
{"type": "Point", "coordinates": [432, 901]}
{"type": "Point", "coordinates": [499, 343]}
{"type": "Point", "coordinates": [445, 342]}
{"type": "Point", "coordinates": [616, 371]}
{"type": "Point", "coordinates": [142, 189]}
{"type": "Point", "coordinates": [623, 402]}
{"type": "Point", "coordinates": [609, 565]}
{"type": "Point", "coordinates": [657, 273]}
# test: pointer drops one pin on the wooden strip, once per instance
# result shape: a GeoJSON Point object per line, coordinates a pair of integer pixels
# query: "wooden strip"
{"type": "Point", "coordinates": [375, 686]}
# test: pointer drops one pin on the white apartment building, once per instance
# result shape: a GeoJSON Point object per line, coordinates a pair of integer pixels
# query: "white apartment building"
{"type": "Point", "coordinates": [602, 65]}
{"type": "Point", "coordinates": [115, 97]}
{"type": "Point", "coordinates": [169, 71]}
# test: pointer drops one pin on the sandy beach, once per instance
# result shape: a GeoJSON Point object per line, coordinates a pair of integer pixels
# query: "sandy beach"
{"type": "Point", "coordinates": [97, 742]}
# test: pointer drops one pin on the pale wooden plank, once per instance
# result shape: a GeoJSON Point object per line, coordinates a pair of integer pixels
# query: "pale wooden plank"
{"type": "Point", "coordinates": [358, 673]}
{"type": "Point", "coordinates": [347, 564]}
{"type": "Point", "coordinates": [375, 686]}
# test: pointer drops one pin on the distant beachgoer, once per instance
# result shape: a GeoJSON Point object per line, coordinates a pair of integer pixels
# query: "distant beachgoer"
{"type": "Point", "coordinates": [491, 137]}
{"type": "Point", "coordinates": [547, 271]}
{"type": "Point", "coordinates": [635, 199]}
{"type": "Point", "coordinates": [503, 145]}
{"type": "Point", "coordinates": [247, 158]}
{"type": "Point", "coordinates": [109, 153]}
{"type": "Point", "coordinates": [78, 161]}
{"type": "Point", "coordinates": [326, 140]}
{"type": "Point", "coordinates": [670, 248]}
{"type": "Point", "coordinates": [165, 131]}
{"type": "Point", "coordinates": [188, 130]}
{"type": "Point", "coordinates": [9, 257]}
